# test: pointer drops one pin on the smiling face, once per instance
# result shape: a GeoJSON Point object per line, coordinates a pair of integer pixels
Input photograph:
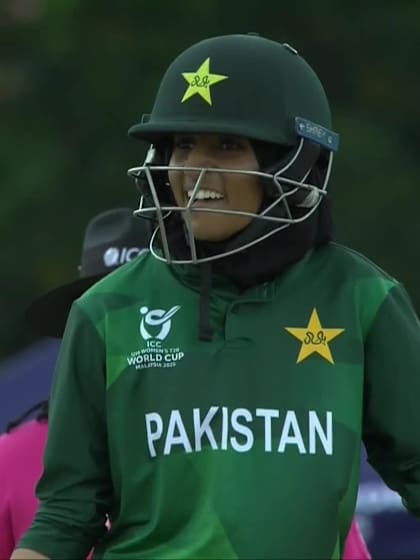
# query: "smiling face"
{"type": "Point", "coordinates": [218, 190]}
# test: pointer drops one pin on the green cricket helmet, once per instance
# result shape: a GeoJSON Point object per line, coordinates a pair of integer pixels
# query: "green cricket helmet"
{"type": "Point", "coordinates": [241, 85]}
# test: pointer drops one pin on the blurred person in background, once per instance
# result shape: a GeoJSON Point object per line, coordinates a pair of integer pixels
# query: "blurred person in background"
{"type": "Point", "coordinates": [355, 548]}
{"type": "Point", "coordinates": [112, 239]}
{"type": "Point", "coordinates": [225, 381]}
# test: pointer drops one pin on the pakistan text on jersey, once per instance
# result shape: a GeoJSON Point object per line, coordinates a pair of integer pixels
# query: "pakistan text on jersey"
{"type": "Point", "coordinates": [220, 429]}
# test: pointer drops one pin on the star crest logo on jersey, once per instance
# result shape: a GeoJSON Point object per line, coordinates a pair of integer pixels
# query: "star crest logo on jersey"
{"type": "Point", "coordinates": [201, 81]}
{"type": "Point", "coordinates": [155, 326]}
{"type": "Point", "coordinates": [314, 338]}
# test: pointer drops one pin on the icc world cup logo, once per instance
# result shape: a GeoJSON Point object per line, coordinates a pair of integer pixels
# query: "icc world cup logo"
{"type": "Point", "coordinates": [156, 318]}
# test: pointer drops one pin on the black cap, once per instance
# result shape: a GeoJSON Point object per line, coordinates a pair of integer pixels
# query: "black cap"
{"type": "Point", "coordinates": [112, 239]}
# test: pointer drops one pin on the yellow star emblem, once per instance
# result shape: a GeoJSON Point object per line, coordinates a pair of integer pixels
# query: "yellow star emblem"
{"type": "Point", "coordinates": [314, 338]}
{"type": "Point", "coordinates": [200, 81]}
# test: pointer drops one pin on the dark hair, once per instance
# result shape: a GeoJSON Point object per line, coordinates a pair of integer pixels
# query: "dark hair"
{"type": "Point", "coordinates": [40, 408]}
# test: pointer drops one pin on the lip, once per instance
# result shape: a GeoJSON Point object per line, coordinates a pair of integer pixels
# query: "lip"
{"type": "Point", "coordinates": [208, 203]}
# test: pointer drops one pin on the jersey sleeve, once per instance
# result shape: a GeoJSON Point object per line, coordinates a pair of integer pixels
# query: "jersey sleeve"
{"type": "Point", "coordinates": [391, 426]}
{"type": "Point", "coordinates": [75, 490]}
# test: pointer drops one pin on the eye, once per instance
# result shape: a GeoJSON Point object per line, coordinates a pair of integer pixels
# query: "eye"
{"type": "Point", "coordinates": [231, 143]}
{"type": "Point", "coordinates": [184, 142]}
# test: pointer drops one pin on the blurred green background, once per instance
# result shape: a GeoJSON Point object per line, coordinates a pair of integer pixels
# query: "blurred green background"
{"type": "Point", "coordinates": [74, 75]}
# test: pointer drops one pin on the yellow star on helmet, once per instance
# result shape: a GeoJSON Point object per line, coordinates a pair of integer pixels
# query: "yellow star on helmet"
{"type": "Point", "coordinates": [314, 338]}
{"type": "Point", "coordinates": [200, 82]}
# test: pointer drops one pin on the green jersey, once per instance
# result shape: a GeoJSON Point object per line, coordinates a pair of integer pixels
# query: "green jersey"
{"type": "Point", "coordinates": [247, 446]}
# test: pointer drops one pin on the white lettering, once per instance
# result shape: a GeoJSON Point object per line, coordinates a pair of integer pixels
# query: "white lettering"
{"type": "Point", "coordinates": [224, 427]}
{"type": "Point", "coordinates": [241, 429]}
{"type": "Point", "coordinates": [133, 360]}
{"type": "Point", "coordinates": [152, 436]}
{"type": "Point", "coordinates": [175, 423]}
{"type": "Point", "coordinates": [173, 357]}
{"type": "Point", "coordinates": [290, 434]}
{"type": "Point", "coordinates": [201, 428]}
{"type": "Point", "coordinates": [325, 436]}
{"type": "Point", "coordinates": [220, 428]}
{"type": "Point", "coordinates": [122, 255]}
{"type": "Point", "coordinates": [131, 253]}
{"type": "Point", "coordinates": [267, 414]}
{"type": "Point", "coordinates": [154, 343]}
{"type": "Point", "coordinates": [143, 358]}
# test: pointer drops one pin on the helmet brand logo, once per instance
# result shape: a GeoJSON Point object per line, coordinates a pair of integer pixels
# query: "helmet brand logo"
{"type": "Point", "coordinates": [200, 82]}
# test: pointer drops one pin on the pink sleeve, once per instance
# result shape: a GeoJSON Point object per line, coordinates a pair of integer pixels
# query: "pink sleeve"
{"type": "Point", "coordinates": [20, 468]}
{"type": "Point", "coordinates": [7, 542]}
{"type": "Point", "coordinates": [355, 548]}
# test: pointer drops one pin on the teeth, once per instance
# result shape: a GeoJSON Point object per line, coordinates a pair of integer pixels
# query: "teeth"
{"type": "Point", "coordinates": [205, 194]}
